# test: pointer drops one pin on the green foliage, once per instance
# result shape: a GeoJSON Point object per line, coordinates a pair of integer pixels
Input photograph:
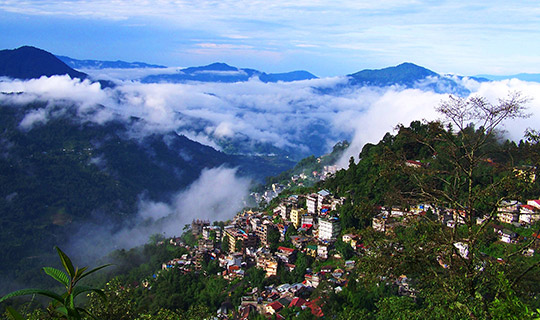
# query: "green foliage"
{"type": "Point", "coordinates": [63, 304]}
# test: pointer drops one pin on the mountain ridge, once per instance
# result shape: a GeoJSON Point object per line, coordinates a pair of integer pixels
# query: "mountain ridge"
{"type": "Point", "coordinates": [29, 62]}
{"type": "Point", "coordinates": [104, 64]}
{"type": "Point", "coordinates": [222, 72]}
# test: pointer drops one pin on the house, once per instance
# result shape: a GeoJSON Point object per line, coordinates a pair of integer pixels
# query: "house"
{"type": "Point", "coordinates": [379, 222]}
{"type": "Point", "coordinates": [211, 233]}
{"type": "Point", "coordinates": [299, 241]}
{"type": "Point", "coordinates": [284, 211]}
{"type": "Point", "coordinates": [246, 311]}
{"type": "Point", "coordinates": [270, 267]}
{"type": "Point", "coordinates": [311, 203]}
{"type": "Point", "coordinates": [296, 216]}
{"type": "Point", "coordinates": [297, 302]}
{"type": "Point", "coordinates": [315, 308]}
{"type": "Point", "coordinates": [534, 203]}
{"type": "Point", "coordinates": [273, 307]}
{"type": "Point", "coordinates": [529, 214]}
{"type": "Point", "coordinates": [198, 225]}
{"type": "Point", "coordinates": [508, 211]}
{"type": "Point", "coordinates": [413, 164]}
{"type": "Point", "coordinates": [287, 255]}
{"type": "Point", "coordinates": [312, 280]}
{"type": "Point", "coordinates": [463, 249]}
{"type": "Point", "coordinates": [322, 252]}
{"type": "Point", "coordinates": [307, 219]}
{"type": "Point", "coordinates": [329, 228]}
{"type": "Point", "coordinates": [262, 232]}
{"type": "Point", "coordinates": [508, 236]}
{"type": "Point", "coordinates": [322, 196]}
{"type": "Point", "coordinates": [311, 250]}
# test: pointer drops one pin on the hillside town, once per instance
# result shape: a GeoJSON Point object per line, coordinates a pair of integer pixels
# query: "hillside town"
{"type": "Point", "coordinates": [310, 226]}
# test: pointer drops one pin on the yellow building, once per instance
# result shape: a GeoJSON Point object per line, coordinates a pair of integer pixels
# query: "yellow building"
{"type": "Point", "coordinates": [296, 216]}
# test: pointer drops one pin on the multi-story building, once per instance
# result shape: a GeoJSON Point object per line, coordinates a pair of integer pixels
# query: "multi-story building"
{"type": "Point", "coordinates": [296, 216]}
{"type": "Point", "coordinates": [211, 232]}
{"type": "Point", "coordinates": [284, 211]}
{"type": "Point", "coordinates": [311, 203]}
{"type": "Point", "coordinates": [307, 220]}
{"type": "Point", "coordinates": [287, 255]}
{"type": "Point", "coordinates": [329, 229]}
{"type": "Point", "coordinates": [268, 263]}
{"type": "Point", "coordinates": [262, 232]}
{"type": "Point", "coordinates": [323, 197]}
{"type": "Point", "coordinates": [529, 213]}
{"type": "Point", "coordinates": [198, 225]}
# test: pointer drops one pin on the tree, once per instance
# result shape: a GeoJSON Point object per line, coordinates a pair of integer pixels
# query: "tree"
{"type": "Point", "coordinates": [460, 176]}
{"type": "Point", "coordinates": [62, 304]}
{"type": "Point", "coordinates": [462, 167]}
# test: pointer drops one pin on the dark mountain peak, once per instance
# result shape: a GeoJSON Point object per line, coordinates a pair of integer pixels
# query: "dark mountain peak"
{"type": "Point", "coordinates": [406, 74]}
{"type": "Point", "coordinates": [29, 62]}
{"type": "Point", "coordinates": [287, 76]}
{"type": "Point", "coordinates": [217, 66]}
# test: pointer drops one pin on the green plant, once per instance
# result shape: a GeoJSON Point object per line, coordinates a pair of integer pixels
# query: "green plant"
{"type": "Point", "coordinates": [64, 303]}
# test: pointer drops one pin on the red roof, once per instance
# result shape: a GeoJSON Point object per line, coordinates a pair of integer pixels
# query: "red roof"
{"type": "Point", "coordinates": [285, 249]}
{"type": "Point", "coordinates": [528, 206]}
{"type": "Point", "coordinates": [315, 309]}
{"type": "Point", "coordinates": [297, 302]}
{"type": "Point", "coordinates": [276, 305]}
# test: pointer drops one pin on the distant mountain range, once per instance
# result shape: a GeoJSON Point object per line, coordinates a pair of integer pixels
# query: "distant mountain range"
{"type": "Point", "coordinates": [531, 77]}
{"type": "Point", "coordinates": [98, 64]}
{"type": "Point", "coordinates": [221, 72]}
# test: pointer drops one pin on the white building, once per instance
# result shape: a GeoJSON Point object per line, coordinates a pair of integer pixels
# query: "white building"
{"type": "Point", "coordinates": [311, 203]}
{"type": "Point", "coordinates": [329, 229]}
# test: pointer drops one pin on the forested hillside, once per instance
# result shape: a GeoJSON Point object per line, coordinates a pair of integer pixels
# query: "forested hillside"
{"type": "Point", "coordinates": [63, 172]}
{"type": "Point", "coordinates": [418, 232]}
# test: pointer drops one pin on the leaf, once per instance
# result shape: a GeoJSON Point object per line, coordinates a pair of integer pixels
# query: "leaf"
{"type": "Point", "coordinates": [24, 292]}
{"type": "Point", "coordinates": [94, 270]}
{"type": "Point", "coordinates": [69, 302]}
{"type": "Point", "coordinates": [14, 314]}
{"type": "Point", "coordinates": [66, 262]}
{"type": "Point", "coordinates": [58, 275]}
{"type": "Point", "coordinates": [79, 273]}
{"type": "Point", "coordinates": [62, 310]}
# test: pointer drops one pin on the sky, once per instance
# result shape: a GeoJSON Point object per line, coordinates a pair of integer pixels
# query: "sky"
{"type": "Point", "coordinates": [327, 38]}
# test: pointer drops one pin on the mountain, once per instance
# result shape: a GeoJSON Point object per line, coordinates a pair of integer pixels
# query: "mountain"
{"type": "Point", "coordinates": [57, 176]}
{"type": "Point", "coordinates": [531, 77]}
{"type": "Point", "coordinates": [32, 63]}
{"type": "Point", "coordinates": [222, 72]}
{"type": "Point", "coordinates": [408, 75]}
{"type": "Point", "coordinates": [98, 64]}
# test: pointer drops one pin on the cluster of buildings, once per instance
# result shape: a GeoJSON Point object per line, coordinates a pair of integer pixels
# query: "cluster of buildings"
{"type": "Point", "coordinates": [516, 212]}
{"type": "Point", "coordinates": [251, 240]}
{"type": "Point", "coordinates": [513, 213]}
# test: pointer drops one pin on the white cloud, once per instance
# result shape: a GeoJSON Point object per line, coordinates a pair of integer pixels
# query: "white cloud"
{"type": "Point", "coordinates": [216, 196]}
{"type": "Point", "coordinates": [283, 114]}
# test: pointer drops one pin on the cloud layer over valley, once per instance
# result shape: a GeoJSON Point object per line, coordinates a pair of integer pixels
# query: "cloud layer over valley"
{"type": "Point", "coordinates": [303, 117]}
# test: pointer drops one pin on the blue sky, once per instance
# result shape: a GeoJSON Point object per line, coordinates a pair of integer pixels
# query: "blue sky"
{"type": "Point", "coordinates": [324, 37]}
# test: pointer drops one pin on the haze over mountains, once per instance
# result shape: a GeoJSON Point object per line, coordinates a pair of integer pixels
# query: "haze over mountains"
{"type": "Point", "coordinates": [164, 145]}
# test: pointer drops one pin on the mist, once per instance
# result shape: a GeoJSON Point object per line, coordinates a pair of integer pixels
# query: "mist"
{"type": "Point", "coordinates": [285, 115]}
{"type": "Point", "coordinates": [217, 195]}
